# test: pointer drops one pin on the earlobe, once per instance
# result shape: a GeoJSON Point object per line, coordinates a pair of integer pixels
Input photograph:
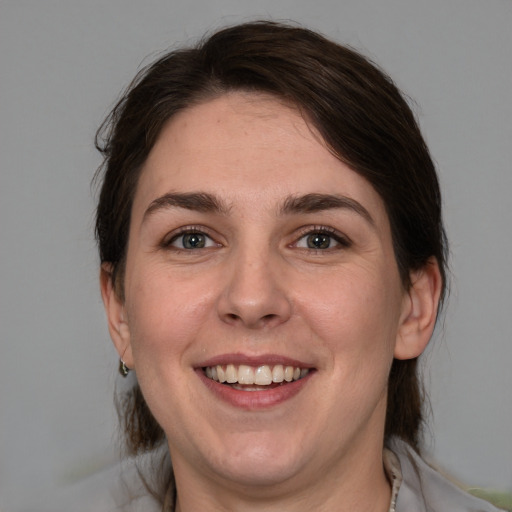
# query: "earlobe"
{"type": "Point", "coordinates": [419, 312]}
{"type": "Point", "coordinates": [116, 316]}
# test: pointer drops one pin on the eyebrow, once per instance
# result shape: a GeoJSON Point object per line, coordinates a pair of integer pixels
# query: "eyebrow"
{"type": "Point", "coordinates": [209, 203]}
{"type": "Point", "coordinates": [311, 203]}
{"type": "Point", "coordinates": [197, 201]}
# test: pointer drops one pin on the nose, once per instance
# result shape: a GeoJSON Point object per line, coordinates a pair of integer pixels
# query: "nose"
{"type": "Point", "coordinates": [255, 293]}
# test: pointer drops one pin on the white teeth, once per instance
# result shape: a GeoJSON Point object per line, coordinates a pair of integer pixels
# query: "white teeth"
{"type": "Point", "coordinates": [248, 388]}
{"type": "Point", "coordinates": [278, 373]}
{"type": "Point", "coordinates": [263, 376]}
{"type": "Point", "coordinates": [288, 373]}
{"type": "Point", "coordinates": [246, 375]}
{"type": "Point", "coordinates": [221, 374]}
{"type": "Point", "coordinates": [231, 374]}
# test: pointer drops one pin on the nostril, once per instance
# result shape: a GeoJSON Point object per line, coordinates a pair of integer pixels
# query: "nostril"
{"type": "Point", "coordinates": [259, 322]}
{"type": "Point", "coordinates": [269, 320]}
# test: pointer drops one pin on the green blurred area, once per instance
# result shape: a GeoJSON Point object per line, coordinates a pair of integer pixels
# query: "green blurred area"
{"type": "Point", "coordinates": [499, 499]}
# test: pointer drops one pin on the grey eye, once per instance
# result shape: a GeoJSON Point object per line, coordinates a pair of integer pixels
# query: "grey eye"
{"type": "Point", "coordinates": [318, 241]}
{"type": "Point", "coordinates": [321, 239]}
{"type": "Point", "coordinates": [192, 240]}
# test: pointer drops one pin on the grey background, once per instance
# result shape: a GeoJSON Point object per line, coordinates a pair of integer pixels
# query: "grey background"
{"type": "Point", "coordinates": [63, 63]}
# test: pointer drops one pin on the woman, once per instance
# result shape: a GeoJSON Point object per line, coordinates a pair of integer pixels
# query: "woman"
{"type": "Point", "coordinates": [273, 261]}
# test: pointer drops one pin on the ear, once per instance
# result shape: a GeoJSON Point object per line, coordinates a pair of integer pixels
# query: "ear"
{"type": "Point", "coordinates": [419, 311]}
{"type": "Point", "coordinates": [116, 316]}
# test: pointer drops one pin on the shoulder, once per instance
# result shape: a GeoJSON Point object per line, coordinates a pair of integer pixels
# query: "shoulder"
{"type": "Point", "coordinates": [424, 490]}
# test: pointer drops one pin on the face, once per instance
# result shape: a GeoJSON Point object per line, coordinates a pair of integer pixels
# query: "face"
{"type": "Point", "coordinates": [262, 298]}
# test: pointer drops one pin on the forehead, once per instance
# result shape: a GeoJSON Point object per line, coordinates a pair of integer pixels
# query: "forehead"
{"type": "Point", "coordinates": [248, 148]}
{"type": "Point", "coordinates": [224, 129]}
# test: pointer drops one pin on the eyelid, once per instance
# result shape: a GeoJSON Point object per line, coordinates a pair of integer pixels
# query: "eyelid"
{"type": "Point", "coordinates": [183, 230]}
{"type": "Point", "coordinates": [342, 239]}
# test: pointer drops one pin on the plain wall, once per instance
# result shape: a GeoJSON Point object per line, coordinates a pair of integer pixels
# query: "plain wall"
{"type": "Point", "coordinates": [62, 65]}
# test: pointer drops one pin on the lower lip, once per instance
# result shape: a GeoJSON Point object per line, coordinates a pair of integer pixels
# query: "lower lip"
{"type": "Point", "coordinates": [251, 400]}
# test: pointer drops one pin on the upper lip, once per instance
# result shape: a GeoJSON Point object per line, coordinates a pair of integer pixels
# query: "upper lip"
{"type": "Point", "coordinates": [254, 360]}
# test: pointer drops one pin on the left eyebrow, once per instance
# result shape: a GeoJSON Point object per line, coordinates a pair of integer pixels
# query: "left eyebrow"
{"type": "Point", "coordinates": [311, 203]}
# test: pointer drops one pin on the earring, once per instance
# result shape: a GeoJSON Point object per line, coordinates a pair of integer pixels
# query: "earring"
{"type": "Point", "coordinates": [123, 369]}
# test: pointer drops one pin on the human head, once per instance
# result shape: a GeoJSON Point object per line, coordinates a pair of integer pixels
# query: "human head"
{"type": "Point", "coordinates": [358, 111]}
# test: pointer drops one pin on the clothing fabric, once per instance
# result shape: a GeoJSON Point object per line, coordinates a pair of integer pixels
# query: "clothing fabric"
{"type": "Point", "coordinates": [419, 488]}
{"type": "Point", "coordinates": [416, 487]}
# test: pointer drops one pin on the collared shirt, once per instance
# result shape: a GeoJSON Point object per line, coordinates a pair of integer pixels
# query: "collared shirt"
{"type": "Point", "coordinates": [394, 474]}
{"type": "Point", "coordinates": [416, 487]}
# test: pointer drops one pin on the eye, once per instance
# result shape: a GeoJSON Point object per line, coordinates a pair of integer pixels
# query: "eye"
{"type": "Point", "coordinates": [191, 240]}
{"type": "Point", "coordinates": [321, 239]}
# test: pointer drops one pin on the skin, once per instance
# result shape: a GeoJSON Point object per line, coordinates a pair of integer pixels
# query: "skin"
{"type": "Point", "coordinates": [256, 288]}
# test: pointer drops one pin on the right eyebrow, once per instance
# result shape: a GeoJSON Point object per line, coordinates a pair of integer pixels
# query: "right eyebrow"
{"type": "Point", "coordinates": [197, 201]}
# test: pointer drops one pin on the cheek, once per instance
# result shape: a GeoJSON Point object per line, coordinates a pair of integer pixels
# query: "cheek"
{"type": "Point", "coordinates": [356, 315]}
{"type": "Point", "coordinates": [165, 314]}
{"type": "Point", "coordinates": [349, 302]}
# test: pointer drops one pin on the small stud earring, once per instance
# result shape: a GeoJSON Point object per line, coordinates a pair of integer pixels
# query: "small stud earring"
{"type": "Point", "coordinates": [123, 369]}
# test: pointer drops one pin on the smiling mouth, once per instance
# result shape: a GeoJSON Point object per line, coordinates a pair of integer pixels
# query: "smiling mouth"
{"type": "Point", "coordinates": [255, 378]}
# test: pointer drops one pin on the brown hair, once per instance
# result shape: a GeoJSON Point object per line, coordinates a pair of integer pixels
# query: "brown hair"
{"type": "Point", "coordinates": [357, 109]}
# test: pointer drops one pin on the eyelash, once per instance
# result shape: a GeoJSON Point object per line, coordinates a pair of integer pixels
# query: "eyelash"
{"type": "Point", "coordinates": [188, 230]}
{"type": "Point", "coordinates": [340, 240]}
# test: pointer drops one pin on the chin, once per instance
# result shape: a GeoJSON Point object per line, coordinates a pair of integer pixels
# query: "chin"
{"type": "Point", "coordinates": [258, 461]}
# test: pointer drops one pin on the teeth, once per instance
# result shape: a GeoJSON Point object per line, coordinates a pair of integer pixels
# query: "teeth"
{"type": "Point", "coordinates": [231, 374]}
{"type": "Point", "coordinates": [245, 374]}
{"type": "Point", "coordinates": [263, 375]}
{"type": "Point", "coordinates": [288, 373]}
{"type": "Point", "coordinates": [278, 373]}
